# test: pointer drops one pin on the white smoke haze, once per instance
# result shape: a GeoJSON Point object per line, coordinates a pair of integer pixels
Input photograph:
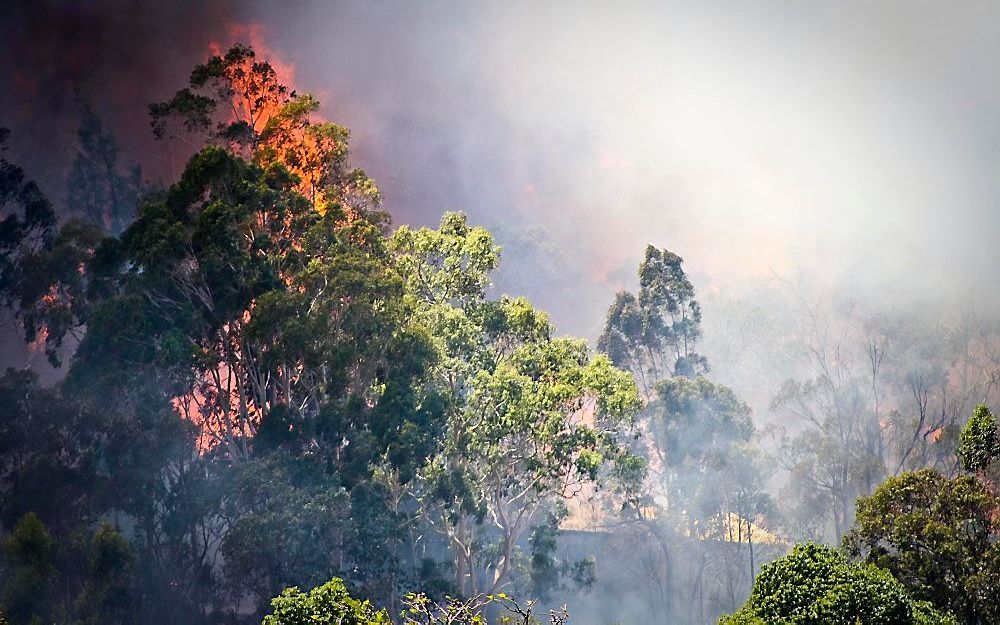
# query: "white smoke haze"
{"type": "Point", "coordinates": [839, 153]}
{"type": "Point", "coordinates": [826, 170]}
{"type": "Point", "coordinates": [849, 144]}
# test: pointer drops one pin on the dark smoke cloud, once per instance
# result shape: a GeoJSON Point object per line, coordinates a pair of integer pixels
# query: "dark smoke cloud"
{"type": "Point", "coordinates": [117, 56]}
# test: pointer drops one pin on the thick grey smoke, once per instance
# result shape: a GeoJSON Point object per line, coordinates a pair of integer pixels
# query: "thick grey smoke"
{"type": "Point", "coordinates": [851, 145]}
{"type": "Point", "coordinates": [115, 56]}
{"type": "Point", "coordinates": [826, 170]}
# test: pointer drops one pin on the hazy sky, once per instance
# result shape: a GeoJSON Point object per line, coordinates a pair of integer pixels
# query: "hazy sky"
{"type": "Point", "coordinates": [852, 142]}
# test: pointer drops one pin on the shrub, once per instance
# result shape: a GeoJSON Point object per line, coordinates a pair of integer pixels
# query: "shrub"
{"type": "Point", "coordinates": [816, 585]}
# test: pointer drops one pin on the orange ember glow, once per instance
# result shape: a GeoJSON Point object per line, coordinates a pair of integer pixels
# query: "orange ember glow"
{"type": "Point", "coordinates": [219, 404]}
{"type": "Point", "coordinates": [48, 303]}
{"type": "Point", "coordinates": [38, 344]}
{"type": "Point", "coordinates": [257, 97]}
{"type": "Point", "coordinates": [214, 405]}
{"type": "Point", "coordinates": [252, 34]}
{"type": "Point", "coordinates": [288, 131]}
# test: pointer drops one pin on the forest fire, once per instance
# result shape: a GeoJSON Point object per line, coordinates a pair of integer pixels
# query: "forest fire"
{"type": "Point", "coordinates": [259, 115]}
{"type": "Point", "coordinates": [253, 34]}
{"type": "Point", "coordinates": [242, 392]}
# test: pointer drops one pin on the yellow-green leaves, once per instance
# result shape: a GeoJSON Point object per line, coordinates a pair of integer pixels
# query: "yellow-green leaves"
{"type": "Point", "coordinates": [451, 264]}
{"type": "Point", "coordinates": [529, 415]}
{"type": "Point", "coordinates": [329, 604]}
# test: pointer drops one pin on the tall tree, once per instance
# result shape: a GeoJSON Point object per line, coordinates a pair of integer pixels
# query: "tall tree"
{"type": "Point", "coordinates": [98, 190]}
{"type": "Point", "coordinates": [240, 101]}
{"type": "Point", "coordinates": [979, 443]}
{"type": "Point", "coordinates": [42, 281]}
{"type": "Point", "coordinates": [27, 590]}
{"type": "Point", "coordinates": [654, 333]}
{"type": "Point", "coordinates": [531, 418]}
{"type": "Point", "coordinates": [700, 479]}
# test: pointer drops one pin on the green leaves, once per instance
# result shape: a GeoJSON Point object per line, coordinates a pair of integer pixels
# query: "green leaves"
{"type": "Point", "coordinates": [235, 82]}
{"type": "Point", "coordinates": [329, 604]}
{"type": "Point", "coordinates": [422, 610]}
{"type": "Point", "coordinates": [530, 417]}
{"type": "Point", "coordinates": [293, 518]}
{"type": "Point", "coordinates": [654, 333]}
{"type": "Point", "coordinates": [448, 265]}
{"type": "Point", "coordinates": [696, 420]}
{"type": "Point", "coordinates": [978, 442]}
{"type": "Point", "coordinates": [933, 533]}
{"type": "Point", "coordinates": [25, 591]}
{"type": "Point", "coordinates": [816, 585]}
{"type": "Point", "coordinates": [42, 268]}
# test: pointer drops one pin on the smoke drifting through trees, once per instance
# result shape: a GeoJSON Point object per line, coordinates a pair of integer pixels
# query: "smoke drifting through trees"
{"type": "Point", "coordinates": [865, 366]}
{"type": "Point", "coordinates": [695, 128]}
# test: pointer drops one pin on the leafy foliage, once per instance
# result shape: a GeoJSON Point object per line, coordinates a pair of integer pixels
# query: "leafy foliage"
{"type": "Point", "coordinates": [421, 610]}
{"type": "Point", "coordinates": [27, 587]}
{"type": "Point", "coordinates": [695, 476]}
{"type": "Point", "coordinates": [329, 604]}
{"type": "Point", "coordinates": [934, 534]}
{"type": "Point", "coordinates": [816, 584]}
{"type": "Point", "coordinates": [530, 417]}
{"type": "Point", "coordinates": [239, 101]}
{"type": "Point", "coordinates": [270, 390]}
{"type": "Point", "coordinates": [41, 266]}
{"type": "Point", "coordinates": [978, 442]}
{"type": "Point", "coordinates": [654, 333]}
{"type": "Point", "coordinates": [108, 596]}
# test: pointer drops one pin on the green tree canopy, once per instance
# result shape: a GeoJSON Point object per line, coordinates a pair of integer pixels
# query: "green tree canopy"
{"type": "Point", "coordinates": [935, 535]}
{"type": "Point", "coordinates": [42, 277]}
{"type": "Point", "coordinates": [655, 333]}
{"type": "Point", "coordinates": [26, 590]}
{"type": "Point", "coordinates": [978, 442]}
{"type": "Point", "coordinates": [816, 585]}
{"type": "Point", "coordinates": [530, 417]}
{"type": "Point", "coordinates": [329, 604]}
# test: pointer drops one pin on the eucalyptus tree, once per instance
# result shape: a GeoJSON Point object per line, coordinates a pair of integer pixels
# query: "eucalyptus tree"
{"type": "Point", "coordinates": [702, 480]}
{"type": "Point", "coordinates": [268, 326]}
{"type": "Point", "coordinates": [654, 333]}
{"type": "Point", "coordinates": [239, 101]}
{"type": "Point", "coordinates": [704, 485]}
{"type": "Point", "coordinates": [42, 286]}
{"type": "Point", "coordinates": [99, 189]}
{"type": "Point", "coordinates": [530, 418]}
{"type": "Point", "coordinates": [251, 318]}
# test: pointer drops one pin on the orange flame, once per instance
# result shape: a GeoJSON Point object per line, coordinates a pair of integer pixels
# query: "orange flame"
{"type": "Point", "coordinates": [289, 132]}
{"type": "Point", "coordinates": [252, 34]}
{"type": "Point", "coordinates": [218, 403]}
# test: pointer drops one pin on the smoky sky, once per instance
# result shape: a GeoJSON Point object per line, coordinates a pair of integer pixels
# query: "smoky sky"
{"type": "Point", "coordinates": [851, 144]}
